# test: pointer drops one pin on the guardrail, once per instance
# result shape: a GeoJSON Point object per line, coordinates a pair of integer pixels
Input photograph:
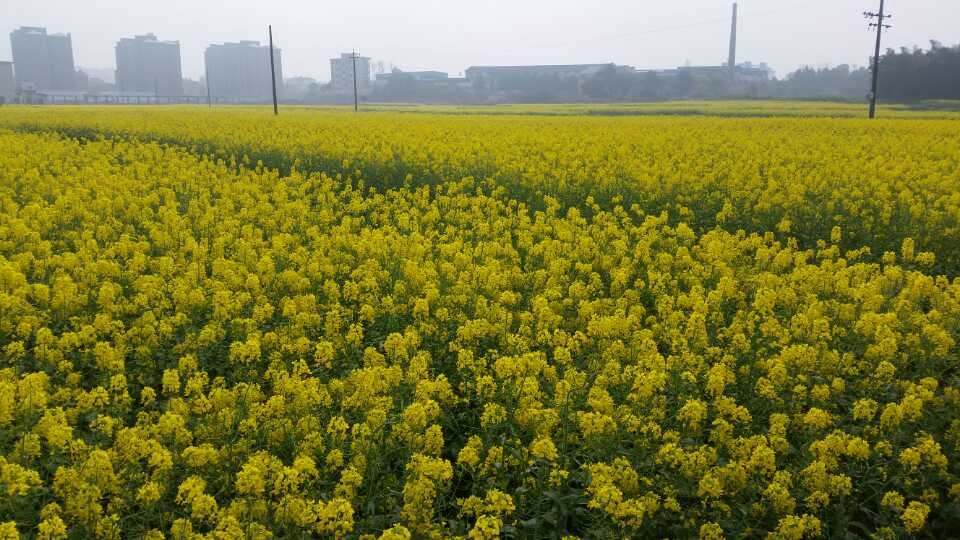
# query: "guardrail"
{"type": "Point", "coordinates": [106, 99]}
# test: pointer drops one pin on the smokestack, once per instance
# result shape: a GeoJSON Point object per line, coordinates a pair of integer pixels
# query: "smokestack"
{"type": "Point", "coordinates": [732, 60]}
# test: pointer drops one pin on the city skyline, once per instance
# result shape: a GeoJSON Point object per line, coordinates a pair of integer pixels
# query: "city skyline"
{"type": "Point", "coordinates": [432, 35]}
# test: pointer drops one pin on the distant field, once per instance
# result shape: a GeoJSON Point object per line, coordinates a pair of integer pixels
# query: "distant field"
{"type": "Point", "coordinates": [750, 108]}
{"type": "Point", "coordinates": [681, 320]}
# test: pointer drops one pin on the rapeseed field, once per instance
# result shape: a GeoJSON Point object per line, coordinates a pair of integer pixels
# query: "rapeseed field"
{"type": "Point", "coordinates": [217, 324]}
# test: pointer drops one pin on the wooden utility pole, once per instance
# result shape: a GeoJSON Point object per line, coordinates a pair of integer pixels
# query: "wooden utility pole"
{"type": "Point", "coordinates": [732, 58]}
{"type": "Point", "coordinates": [206, 76]}
{"type": "Point", "coordinates": [356, 98]}
{"type": "Point", "coordinates": [880, 26]}
{"type": "Point", "coordinates": [273, 73]}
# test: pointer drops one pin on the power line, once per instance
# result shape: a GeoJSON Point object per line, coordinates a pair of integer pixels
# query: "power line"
{"type": "Point", "coordinates": [880, 26]}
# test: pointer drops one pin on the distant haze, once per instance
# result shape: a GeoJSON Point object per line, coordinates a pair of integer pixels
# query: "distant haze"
{"type": "Point", "coordinates": [451, 35]}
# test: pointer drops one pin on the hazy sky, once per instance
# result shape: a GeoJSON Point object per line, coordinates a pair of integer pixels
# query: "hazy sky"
{"type": "Point", "coordinates": [450, 35]}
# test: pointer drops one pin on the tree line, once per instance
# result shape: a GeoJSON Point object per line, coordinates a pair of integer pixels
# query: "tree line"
{"type": "Point", "coordinates": [919, 74]}
{"type": "Point", "coordinates": [905, 75]}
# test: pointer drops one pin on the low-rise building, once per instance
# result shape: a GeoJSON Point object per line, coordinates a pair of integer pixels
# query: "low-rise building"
{"type": "Point", "coordinates": [419, 76]}
{"type": "Point", "coordinates": [745, 72]}
{"type": "Point", "coordinates": [297, 88]}
{"type": "Point", "coordinates": [562, 82]}
{"type": "Point", "coordinates": [492, 73]}
{"type": "Point", "coordinates": [754, 73]}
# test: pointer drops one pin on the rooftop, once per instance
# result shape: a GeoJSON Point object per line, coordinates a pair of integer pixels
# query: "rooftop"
{"type": "Point", "coordinates": [431, 75]}
{"type": "Point", "coordinates": [32, 30]}
{"type": "Point", "coordinates": [246, 44]}
{"type": "Point", "coordinates": [36, 31]}
{"type": "Point", "coordinates": [546, 67]}
{"type": "Point", "coordinates": [147, 38]}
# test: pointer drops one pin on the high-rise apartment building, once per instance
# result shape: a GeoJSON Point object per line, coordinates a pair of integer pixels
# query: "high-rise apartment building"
{"type": "Point", "coordinates": [241, 71]}
{"type": "Point", "coordinates": [8, 88]}
{"type": "Point", "coordinates": [43, 61]}
{"type": "Point", "coordinates": [342, 70]}
{"type": "Point", "coordinates": [147, 65]}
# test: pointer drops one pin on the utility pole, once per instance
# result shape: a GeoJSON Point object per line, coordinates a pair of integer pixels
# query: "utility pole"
{"type": "Point", "coordinates": [273, 73]}
{"type": "Point", "coordinates": [732, 58]}
{"type": "Point", "coordinates": [356, 99]}
{"type": "Point", "coordinates": [880, 26]}
{"type": "Point", "coordinates": [206, 76]}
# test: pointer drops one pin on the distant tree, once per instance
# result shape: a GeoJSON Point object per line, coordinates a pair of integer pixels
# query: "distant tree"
{"type": "Point", "coordinates": [602, 85]}
{"type": "Point", "coordinates": [843, 82]}
{"type": "Point", "coordinates": [651, 86]}
{"type": "Point", "coordinates": [712, 86]}
{"type": "Point", "coordinates": [910, 74]}
{"type": "Point", "coordinates": [537, 88]}
{"type": "Point", "coordinates": [916, 74]}
{"type": "Point", "coordinates": [683, 84]}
